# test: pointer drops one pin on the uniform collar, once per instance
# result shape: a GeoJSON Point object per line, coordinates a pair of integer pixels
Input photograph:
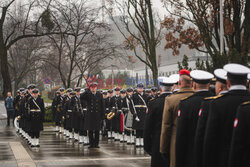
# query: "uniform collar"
{"type": "Point", "coordinates": [202, 90]}
{"type": "Point", "coordinates": [238, 87]}
{"type": "Point", "coordinates": [223, 92]}
{"type": "Point", "coordinates": [186, 90]}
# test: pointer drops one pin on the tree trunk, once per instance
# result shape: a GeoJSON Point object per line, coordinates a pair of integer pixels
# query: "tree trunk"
{"type": "Point", "coordinates": [4, 69]}
{"type": "Point", "coordinates": [154, 70]}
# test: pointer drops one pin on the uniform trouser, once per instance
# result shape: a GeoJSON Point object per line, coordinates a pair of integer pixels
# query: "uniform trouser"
{"type": "Point", "coordinates": [94, 138]}
{"type": "Point", "coordinates": [35, 134]}
{"type": "Point", "coordinates": [10, 114]}
{"type": "Point", "coordinates": [127, 132]}
{"type": "Point", "coordinates": [139, 133]}
{"type": "Point", "coordinates": [82, 132]}
{"type": "Point", "coordinates": [157, 160]}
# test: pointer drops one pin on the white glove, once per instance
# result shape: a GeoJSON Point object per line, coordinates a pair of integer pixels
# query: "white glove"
{"type": "Point", "coordinates": [137, 119]}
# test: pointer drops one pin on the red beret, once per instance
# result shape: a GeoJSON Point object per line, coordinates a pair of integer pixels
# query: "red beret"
{"type": "Point", "coordinates": [184, 72]}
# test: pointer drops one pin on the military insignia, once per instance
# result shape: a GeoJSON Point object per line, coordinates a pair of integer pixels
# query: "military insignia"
{"type": "Point", "coordinates": [245, 103]}
{"type": "Point", "coordinates": [200, 112]}
{"type": "Point", "coordinates": [179, 113]}
{"type": "Point", "coordinates": [213, 97]}
{"type": "Point", "coordinates": [236, 121]}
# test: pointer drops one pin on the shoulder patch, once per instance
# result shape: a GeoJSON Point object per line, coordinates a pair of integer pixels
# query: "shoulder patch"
{"type": "Point", "coordinates": [213, 97]}
{"type": "Point", "coordinates": [246, 103]}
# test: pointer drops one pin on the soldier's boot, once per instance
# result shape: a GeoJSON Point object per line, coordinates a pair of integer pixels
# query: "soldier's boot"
{"type": "Point", "coordinates": [37, 143]}
{"type": "Point", "coordinates": [109, 135]}
{"type": "Point", "coordinates": [132, 139]}
{"type": "Point", "coordinates": [113, 134]}
{"type": "Point", "coordinates": [57, 129]}
{"type": "Point", "coordinates": [70, 135]}
{"type": "Point", "coordinates": [32, 141]}
{"type": "Point", "coordinates": [121, 138]}
{"type": "Point", "coordinates": [128, 140]}
{"type": "Point", "coordinates": [76, 136]}
{"type": "Point", "coordinates": [137, 142]}
{"type": "Point", "coordinates": [125, 138]}
{"type": "Point", "coordinates": [141, 142]}
{"type": "Point", "coordinates": [116, 136]}
{"type": "Point", "coordinates": [85, 140]}
{"type": "Point", "coordinates": [81, 141]}
{"type": "Point", "coordinates": [67, 133]}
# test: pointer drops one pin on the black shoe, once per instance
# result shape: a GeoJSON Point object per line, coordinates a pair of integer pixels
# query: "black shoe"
{"type": "Point", "coordinates": [91, 146]}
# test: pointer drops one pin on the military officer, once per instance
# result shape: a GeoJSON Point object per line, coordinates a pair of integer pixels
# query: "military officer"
{"type": "Point", "coordinates": [59, 111]}
{"type": "Point", "coordinates": [169, 116]}
{"type": "Point", "coordinates": [110, 122]}
{"type": "Point", "coordinates": [154, 93]}
{"type": "Point", "coordinates": [128, 104]}
{"type": "Point", "coordinates": [152, 129]}
{"type": "Point", "coordinates": [188, 117]}
{"type": "Point", "coordinates": [116, 107]}
{"type": "Point", "coordinates": [239, 150]}
{"type": "Point", "coordinates": [222, 112]}
{"type": "Point", "coordinates": [148, 93]}
{"type": "Point", "coordinates": [76, 115]}
{"type": "Point", "coordinates": [220, 89]}
{"type": "Point", "coordinates": [35, 107]}
{"type": "Point", "coordinates": [82, 131]}
{"type": "Point", "coordinates": [140, 102]}
{"type": "Point", "coordinates": [122, 115]}
{"type": "Point", "coordinates": [106, 106]}
{"type": "Point", "coordinates": [54, 109]}
{"type": "Point", "coordinates": [27, 121]}
{"type": "Point", "coordinates": [94, 115]}
{"type": "Point", "coordinates": [67, 113]}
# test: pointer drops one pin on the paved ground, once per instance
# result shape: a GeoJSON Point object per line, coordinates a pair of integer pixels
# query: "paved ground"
{"type": "Point", "coordinates": [56, 151]}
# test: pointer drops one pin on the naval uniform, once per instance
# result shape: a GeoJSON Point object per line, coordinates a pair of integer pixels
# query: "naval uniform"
{"type": "Point", "coordinates": [116, 106]}
{"type": "Point", "coordinates": [218, 134]}
{"type": "Point", "coordinates": [94, 115]}
{"type": "Point", "coordinates": [186, 127]}
{"type": "Point", "coordinates": [35, 108]}
{"type": "Point", "coordinates": [201, 127]}
{"type": "Point", "coordinates": [59, 110]}
{"type": "Point", "coordinates": [152, 131]}
{"type": "Point", "coordinates": [140, 102]}
{"type": "Point", "coordinates": [240, 145]}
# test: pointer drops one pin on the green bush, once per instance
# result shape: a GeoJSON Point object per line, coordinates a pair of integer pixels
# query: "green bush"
{"type": "Point", "coordinates": [48, 114]}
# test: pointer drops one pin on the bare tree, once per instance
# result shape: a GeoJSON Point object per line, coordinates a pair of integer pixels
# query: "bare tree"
{"type": "Point", "coordinates": [23, 59]}
{"type": "Point", "coordinates": [86, 45]}
{"type": "Point", "coordinates": [31, 24]}
{"type": "Point", "coordinates": [138, 25]}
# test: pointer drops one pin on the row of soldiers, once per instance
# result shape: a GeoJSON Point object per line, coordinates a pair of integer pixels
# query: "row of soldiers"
{"type": "Point", "coordinates": [29, 110]}
{"type": "Point", "coordinates": [119, 114]}
{"type": "Point", "coordinates": [195, 128]}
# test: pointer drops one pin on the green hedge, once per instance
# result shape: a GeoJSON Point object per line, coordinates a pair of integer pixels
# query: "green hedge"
{"type": "Point", "coordinates": [48, 114]}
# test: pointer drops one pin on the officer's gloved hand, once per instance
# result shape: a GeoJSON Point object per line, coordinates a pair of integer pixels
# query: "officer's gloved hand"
{"type": "Point", "coordinates": [137, 119]}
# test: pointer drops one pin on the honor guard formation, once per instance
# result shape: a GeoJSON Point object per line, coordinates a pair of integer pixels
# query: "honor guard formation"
{"type": "Point", "coordinates": [194, 119]}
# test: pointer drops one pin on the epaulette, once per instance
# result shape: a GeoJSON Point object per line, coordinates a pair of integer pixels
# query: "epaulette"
{"type": "Point", "coordinates": [184, 98]}
{"type": "Point", "coordinates": [246, 103]}
{"type": "Point", "coordinates": [213, 97]}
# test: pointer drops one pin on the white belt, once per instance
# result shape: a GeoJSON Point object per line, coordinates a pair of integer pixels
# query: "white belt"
{"type": "Point", "coordinates": [35, 110]}
{"type": "Point", "coordinates": [85, 109]}
{"type": "Point", "coordinates": [69, 110]}
{"type": "Point", "coordinates": [140, 106]}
